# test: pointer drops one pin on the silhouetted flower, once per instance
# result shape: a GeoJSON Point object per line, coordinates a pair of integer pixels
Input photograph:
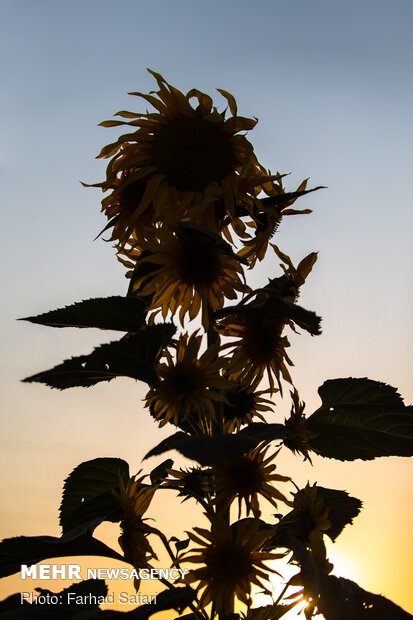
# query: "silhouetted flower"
{"type": "Point", "coordinates": [244, 404]}
{"type": "Point", "coordinates": [178, 160]}
{"type": "Point", "coordinates": [134, 499]}
{"type": "Point", "coordinates": [311, 521]}
{"type": "Point", "coordinates": [260, 347]}
{"type": "Point", "coordinates": [248, 478]}
{"type": "Point", "coordinates": [230, 562]}
{"type": "Point", "coordinates": [267, 215]}
{"type": "Point", "coordinates": [298, 436]}
{"type": "Point", "coordinates": [192, 270]}
{"type": "Point", "coordinates": [187, 383]}
{"type": "Point", "coordinates": [194, 482]}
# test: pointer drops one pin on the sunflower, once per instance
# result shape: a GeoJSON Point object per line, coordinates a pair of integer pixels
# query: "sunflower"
{"type": "Point", "coordinates": [310, 518]}
{"type": "Point", "coordinates": [247, 478]}
{"type": "Point", "coordinates": [259, 324]}
{"type": "Point", "coordinates": [194, 482]}
{"type": "Point", "coordinates": [120, 209]}
{"type": "Point", "coordinates": [294, 277]}
{"type": "Point", "coordinates": [187, 158]}
{"type": "Point", "coordinates": [260, 348]}
{"type": "Point", "coordinates": [268, 213]}
{"type": "Point", "coordinates": [192, 268]}
{"type": "Point", "coordinates": [244, 404]}
{"type": "Point", "coordinates": [298, 437]}
{"type": "Point", "coordinates": [134, 499]}
{"type": "Point", "coordinates": [189, 383]}
{"type": "Point", "coordinates": [230, 562]}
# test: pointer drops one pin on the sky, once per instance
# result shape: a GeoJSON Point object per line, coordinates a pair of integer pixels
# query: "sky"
{"type": "Point", "coordinates": [331, 85]}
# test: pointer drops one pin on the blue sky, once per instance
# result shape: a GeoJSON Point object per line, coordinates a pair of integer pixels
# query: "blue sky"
{"type": "Point", "coordinates": [331, 84]}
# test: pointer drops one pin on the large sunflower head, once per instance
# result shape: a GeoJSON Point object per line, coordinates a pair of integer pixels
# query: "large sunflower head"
{"type": "Point", "coordinates": [230, 562]}
{"type": "Point", "coordinates": [185, 157]}
{"type": "Point", "coordinates": [248, 478]}
{"type": "Point", "coordinates": [188, 383]}
{"type": "Point", "coordinates": [193, 269]}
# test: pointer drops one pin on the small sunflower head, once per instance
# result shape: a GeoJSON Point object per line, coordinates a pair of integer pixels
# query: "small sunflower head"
{"type": "Point", "coordinates": [260, 349]}
{"type": "Point", "coordinates": [247, 479]}
{"type": "Point", "coordinates": [194, 482]}
{"type": "Point", "coordinates": [134, 499]}
{"type": "Point", "coordinates": [294, 277]}
{"type": "Point", "coordinates": [120, 207]}
{"type": "Point", "coordinates": [188, 383]}
{"type": "Point", "coordinates": [310, 518]}
{"type": "Point", "coordinates": [193, 269]}
{"type": "Point", "coordinates": [298, 437]}
{"type": "Point", "coordinates": [267, 214]}
{"type": "Point", "coordinates": [313, 511]}
{"type": "Point", "coordinates": [244, 404]}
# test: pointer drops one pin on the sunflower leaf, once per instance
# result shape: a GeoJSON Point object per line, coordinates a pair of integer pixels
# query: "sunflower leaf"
{"type": "Point", "coordinates": [86, 590]}
{"type": "Point", "coordinates": [159, 471]}
{"type": "Point", "coordinates": [361, 419]}
{"type": "Point", "coordinates": [207, 449]}
{"type": "Point", "coordinates": [272, 304]}
{"type": "Point", "coordinates": [32, 549]}
{"type": "Point", "coordinates": [87, 492]}
{"type": "Point", "coordinates": [133, 356]}
{"type": "Point", "coordinates": [182, 544]}
{"type": "Point", "coordinates": [12, 602]}
{"type": "Point", "coordinates": [354, 601]}
{"type": "Point", "coordinates": [177, 598]}
{"type": "Point", "coordinates": [83, 590]}
{"type": "Point", "coordinates": [126, 314]}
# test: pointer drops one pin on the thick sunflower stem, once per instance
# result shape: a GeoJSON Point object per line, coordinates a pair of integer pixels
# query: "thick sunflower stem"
{"type": "Point", "coordinates": [213, 338]}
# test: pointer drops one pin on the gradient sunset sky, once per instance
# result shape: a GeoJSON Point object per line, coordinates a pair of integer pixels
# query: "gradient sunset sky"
{"type": "Point", "coordinates": [331, 85]}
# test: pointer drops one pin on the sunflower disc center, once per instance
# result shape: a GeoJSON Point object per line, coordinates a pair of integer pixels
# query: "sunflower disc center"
{"type": "Point", "coordinates": [247, 476]}
{"type": "Point", "coordinates": [183, 385]}
{"type": "Point", "coordinates": [231, 563]}
{"type": "Point", "coordinates": [193, 152]}
{"type": "Point", "coordinates": [199, 264]}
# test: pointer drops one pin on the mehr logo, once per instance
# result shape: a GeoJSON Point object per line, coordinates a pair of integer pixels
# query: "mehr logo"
{"type": "Point", "coordinates": [73, 571]}
{"type": "Point", "coordinates": [50, 571]}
